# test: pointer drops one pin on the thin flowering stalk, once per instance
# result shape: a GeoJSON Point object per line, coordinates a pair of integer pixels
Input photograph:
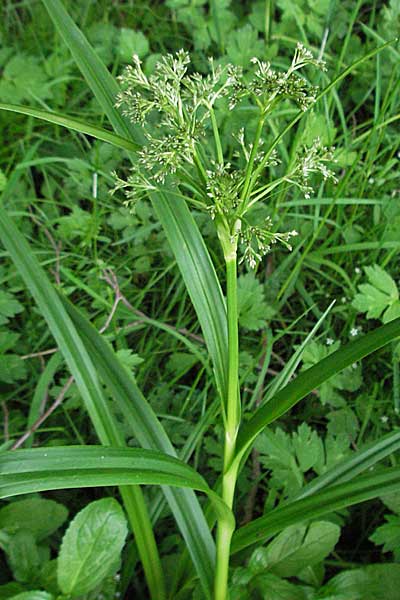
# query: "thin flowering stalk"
{"type": "Point", "coordinates": [250, 165]}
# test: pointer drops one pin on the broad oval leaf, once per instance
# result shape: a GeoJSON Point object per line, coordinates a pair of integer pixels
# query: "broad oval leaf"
{"type": "Point", "coordinates": [297, 547]}
{"type": "Point", "coordinates": [39, 516]}
{"type": "Point", "coordinates": [91, 547]}
{"type": "Point", "coordinates": [368, 583]}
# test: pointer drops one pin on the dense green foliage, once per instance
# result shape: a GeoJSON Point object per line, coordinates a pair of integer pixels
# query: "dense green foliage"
{"type": "Point", "coordinates": [125, 343]}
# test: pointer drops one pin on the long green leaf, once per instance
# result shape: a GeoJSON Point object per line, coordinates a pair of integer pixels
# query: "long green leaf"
{"type": "Point", "coordinates": [200, 278]}
{"type": "Point", "coordinates": [348, 468]}
{"type": "Point", "coordinates": [84, 372]}
{"type": "Point", "coordinates": [311, 379]}
{"type": "Point", "coordinates": [100, 81]}
{"type": "Point", "coordinates": [73, 124]}
{"type": "Point", "coordinates": [142, 421]}
{"type": "Point", "coordinates": [45, 379]}
{"type": "Point", "coordinates": [40, 469]}
{"type": "Point", "coordinates": [333, 498]}
{"type": "Point", "coordinates": [105, 89]}
{"type": "Point", "coordinates": [192, 257]}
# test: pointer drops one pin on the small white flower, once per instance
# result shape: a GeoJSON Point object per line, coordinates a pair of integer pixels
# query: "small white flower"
{"type": "Point", "coordinates": [354, 331]}
{"type": "Point", "coordinates": [343, 300]}
{"type": "Point", "coordinates": [329, 341]}
{"type": "Point", "coordinates": [354, 366]}
{"type": "Point", "coordinates": [384, 419]}
{"type": "Point", "coordinates": [371, 180]}
{"type": "Point", "coordinates": [357, 270]}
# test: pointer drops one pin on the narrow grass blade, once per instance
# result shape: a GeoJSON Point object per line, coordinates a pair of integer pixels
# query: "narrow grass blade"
{"type": "Point", "coordinates": [84, 372]}
{"type": "Point", "coordinates": [100, 81]}
{"type": "Point", "coordinates": [357, 463]}
{"type": "Point", "coordinates": [200, 278]}
{"type": "Point", "coordinates": [40, 392]}
{"type": "Point", "coordinates": [144, 424]}
{"type": "Point", "coordinates": [311, 379]}
{"type": "Point", "coordinates": [74, 125]}
{"type": "Point", "coordinates": [334, 498]}
{"type": "Point", "coordinates": [192, 257]}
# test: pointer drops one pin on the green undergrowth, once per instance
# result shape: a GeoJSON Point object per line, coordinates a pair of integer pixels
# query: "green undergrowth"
{"type": "Point", "coordinates": [117, 266]}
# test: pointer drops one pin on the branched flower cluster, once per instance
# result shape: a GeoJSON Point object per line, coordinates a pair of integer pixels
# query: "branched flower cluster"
{"type": "Point", "coordinates": [175, 106]}
{"type": "Point", "coordinates": [257, 241]}
{"type": "Point", "coordinates": [269, 86]}
{"type": "Point", "coordinates": [223, 188]}
{"type": "Point", "coordinates": [312, 160]}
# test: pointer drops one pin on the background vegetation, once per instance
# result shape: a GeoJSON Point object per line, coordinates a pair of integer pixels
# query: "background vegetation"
{"type": "Point", "coordinates": [119, 269]}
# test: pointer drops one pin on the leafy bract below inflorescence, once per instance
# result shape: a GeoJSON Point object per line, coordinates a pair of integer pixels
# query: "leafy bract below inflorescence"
{"type": "Point", "coordinates": [176, 108]}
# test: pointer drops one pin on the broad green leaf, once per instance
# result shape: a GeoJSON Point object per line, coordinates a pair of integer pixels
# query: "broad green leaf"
{"type": "Point", "coordinates": [10, 589]}
{"type": "Point", "coordinates": [91, 547]}
{"type": "Point", "coordinates": [22, 554]}
{"type": "Point", "coordinates": [130, 43]}
{"type": "Point", "coordinates": [308, 447]}
{"type": "Point", "coordinates": [252, 307]}
{"type": "Point", "coordinates": [74, 125]}
{"type": "Point", "coordinates": [271, 587]}
{"type": "Point", "coordinates": [23, 77]}
{"type": "Point", "coordinates": [9, 306]}
{"type": "Point", "coordinates": [321, 503]}
{"type": "Point", "coordinates": [243, 44]}
{"type": "Point", "coordinates": [12, 368]}
{"type": "Point", "coordinates": [295, 548]}
{"type": "Point", "coordinates": [312, 378]}
{"type": "Point", "coordinates": [40, 516]}
{"type": "Point", "coordinates": [392, 501]}
{"type": "Point", "coordinates": [368, 583]}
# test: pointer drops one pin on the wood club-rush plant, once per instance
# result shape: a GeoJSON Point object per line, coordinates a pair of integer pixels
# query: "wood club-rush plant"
{"type": "Point", "coordinates": [167, 123]}
{"type": "Point", "coordinates": [176, 107]}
